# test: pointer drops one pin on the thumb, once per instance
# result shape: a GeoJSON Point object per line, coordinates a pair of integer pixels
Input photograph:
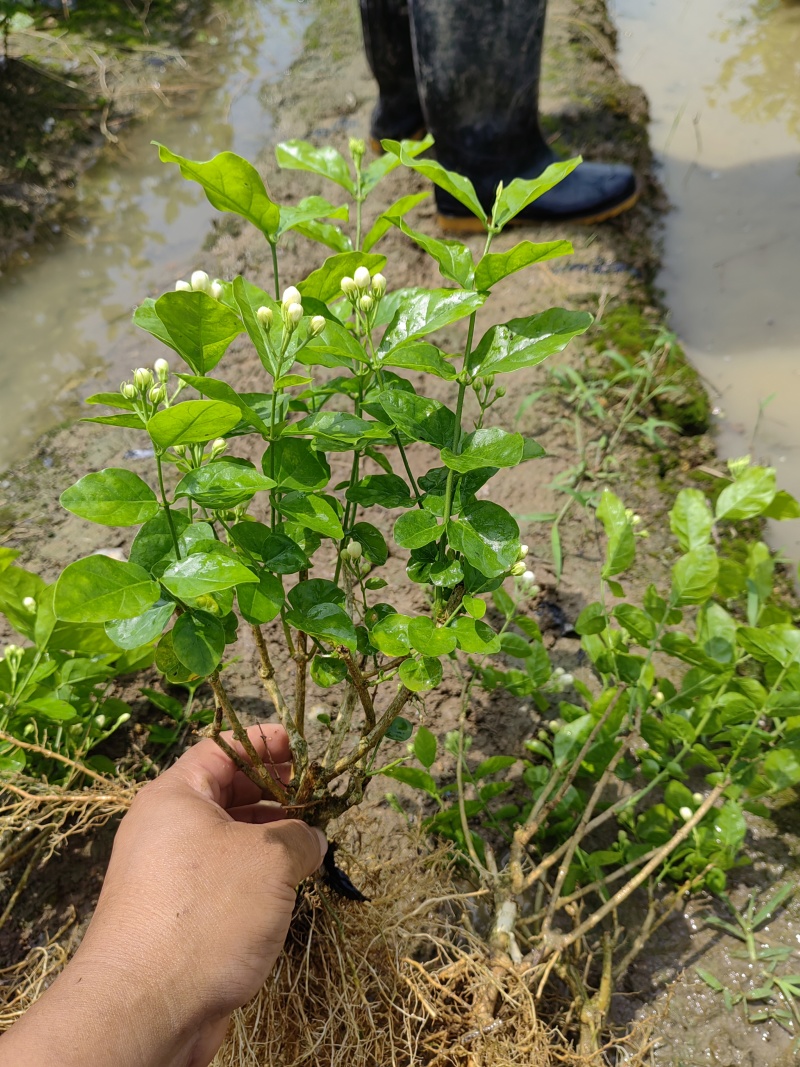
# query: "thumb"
{"type": "Point", "coordinates": [294, 849]}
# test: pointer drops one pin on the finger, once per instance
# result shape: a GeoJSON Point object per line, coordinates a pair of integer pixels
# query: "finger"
{"type": "Point", "coordinates": [295, 850]}
{"type": "Point", "coordinates": [265, 811]}
{"type": "Point", "coordinates": [243, 790]}
{"type": "Point", "coordinates": [208, 770]}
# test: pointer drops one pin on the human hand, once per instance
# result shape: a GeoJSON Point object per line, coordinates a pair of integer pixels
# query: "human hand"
{"type": "Point", "coordinates": [192, 915]}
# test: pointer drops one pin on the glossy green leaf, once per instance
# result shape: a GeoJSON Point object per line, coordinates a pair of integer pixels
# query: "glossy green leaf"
{"type": "Point", "coordinates": [248, 300]}
{"type": "Point", "coordinates": [312, 511]}
{"type": "Point", "coordinates": [498, 265]}
{"type": "Point", "coordinates": [414, 529]}
{"type": "Point", "coordinates": [388, 490]}
{"type": "Point", "coordinates": [413, 777]}
{"type": "Point", "coordinates": [425, 310]}
{"type": "Point", "coordinates": [260, 603]}
{"type": "Point", "coordinates": [694, 576]}
{"type": "Point", "coordinates": [325, 283]}
{"type": "Point", "coordinates": [200, 327]}
{"type": "Point", "coordinates": [334, 347]}
{"type": "Point", "coordinates": [386, 163]}
{"type": "Point", "coordinates": [455, 184]}
{"type": "Point", "coordinates": [112, 497]}
{"type": "Point", "coordinates": [454, 258]}
{"type": "Point", "coordinates": [308, 210]}
{"type": "Point", "coordinates": [114, 400]}
{"type": "Point", "coordinates": [421, 675]}
{"type": "Point", "coordinates": [327, 622]}
{"type": "Point", "coordinates": [294, 464]}
{"type": "Point", "coordinates": [153, 543]}
{"type": "Point", "coordinates": [313, 591]}
{"type": "Point", "coordinates": [425, 747]}
{"type": "Point", "coordinates": [339, 431]}
{"type": "Point", "coordinates": [783, 506]}
{"type": "Point", "coordinates": [275, 549]}
{"type": "Point", "coordinates": [487, 536]}
{"type": "Point", "coordinates": [474, 636]}
{"type": "Point", "coordinates": [101, 589]}
{"type": "Point", "coordinates": [490, 447]}
{"type": "Point", "coordinates": [419, 417]}
{"type": "Point", "coordinates": [130, 421]}
{"type": "Point", "coordinates": [222, 484]}
{"type": "Point", "coordinates": [142, 629]}
{"type": "Point", "coordinates": [372, 541]}
{"type": "Point", "coordinates": [621, 546]}
{"type": "Point", "coordinates": [690, 519]}
{"type": "Point", "coordinates": [230, 184]}
{"type": "Point", "coordinates": [326, 161]}
{"type": "Point", "coordinates": [474, 606]}
{"type": "Point", "coordinates": [204, 572]}
{"type": "Point", "coordinates": [432, 640]}
{"type": "Point", "coordinates": [528, 341]}
{"type": "Point", "coordinates": [325, 233]}
{"type": "Point", "coordinates": [390, 635]}
{"type": "Point", "coordinates": [328, 671]}
{"type": "Point", "coordinates": [521, 192]}
{"type": "Point", "coordinates": [749, 495]}
{"type": "Point", "coordinates": [191, 422]}
{"type": "Point", "coordinates": [420, 356]}
{"type": "Point", "coordinates": [383, 223]}
{"type": "Point", "coordinates": [199, 641]}
{"type": "Point", "coordinates": [217, 390]}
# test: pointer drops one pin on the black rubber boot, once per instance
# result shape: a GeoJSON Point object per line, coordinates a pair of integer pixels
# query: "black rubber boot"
{"type": "Point", "coordinates": [387, 43]}
{"type": "Point", "coordinates": [478, 74]}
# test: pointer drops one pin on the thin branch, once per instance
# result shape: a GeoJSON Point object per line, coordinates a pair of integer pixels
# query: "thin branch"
{"type": "Point", "coordinates": [371, 740]}
{"type": "Point", "coordinates": [341, 727]}
{"type": "Point", "coordinates": [42, 751]}
{"type": "Point", "coordinates": [360, 687]}
{"type": "Point", "coordinates": [301, 661]}
{"type": "Point", "coordinates": [266, 673]}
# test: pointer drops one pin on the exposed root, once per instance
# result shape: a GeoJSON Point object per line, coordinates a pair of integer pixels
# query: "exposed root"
{"type": "Point", "coordinates": [25, 982]}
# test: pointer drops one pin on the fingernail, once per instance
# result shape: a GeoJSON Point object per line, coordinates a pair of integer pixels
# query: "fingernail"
{"type": "Point", "coordinates": [323, 842]}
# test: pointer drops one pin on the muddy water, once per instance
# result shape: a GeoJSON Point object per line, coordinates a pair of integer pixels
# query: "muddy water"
{"type": "Point", "coordinates": [723, 80]}
{"type": "Point", "coordinates": [66, 313]}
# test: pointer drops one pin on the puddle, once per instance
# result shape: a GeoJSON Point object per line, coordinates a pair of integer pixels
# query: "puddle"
{"type": "Point", "coordinates": [723, 80]}
{"type": "Point", "coordinates": [66, 314]}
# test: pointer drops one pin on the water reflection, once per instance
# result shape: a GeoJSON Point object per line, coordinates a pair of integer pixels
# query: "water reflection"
{"type": "Point", "coordinates": [66, 314]}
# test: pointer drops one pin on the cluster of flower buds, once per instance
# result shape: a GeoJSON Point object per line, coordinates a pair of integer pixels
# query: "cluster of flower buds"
{"type": "Point", "coordinates": [147, 386]}
{"type": "Point", "coordinates": [200, 283]}
{"type": "Point", "coordinates": [559, 680]}
{"type": "Point", "coordinates": [363, 291]}
{"type": "Point", "coordinates": [357, 150]}
{"type": "Point", "coordinates": [291, 308]}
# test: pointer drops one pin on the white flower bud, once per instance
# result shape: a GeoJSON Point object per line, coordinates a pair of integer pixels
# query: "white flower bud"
{"type": "Point", "coordinates": [379, 285]}
{"type": "Point", "coordinates": [558, 672]}
{"type": "Point", "coordinates": [365, 303]}
{"type": "Point", "coordinates": [697, 798]}
{"type": "Point", "coordinates": [161, 367]}
{"type": "Point", "coordinates": [216, 290]}
{"type": "Point", "coordinates": [567, 679]}
{"type": "Point", "coordinates": [528, 577]}
{"type": "Point", "coordinates": [354, 550]}
{"type": "Point", "coordinates": [518, 570]}
{"type": "Point", "coordinates": [316, 326]}
{"type": "Point", "coordinates": [179, 450]}
{"type": "Point", "coordinates": [294, 312]}
{"type": "Point", "coordinates": [29, 603]}
{"type": "Point", "coordinates": [143, 378]}
{"type": "Point", "coordinates": [200, 281]}
{"type": "Point", "coordinates": [291, 296]}
{"type": "Point", "coordinates": [523, 551]}
{"type": "Point", "coordinates": [658, 699]}
{"type": "Point", "coordinates": [218, 447]}
{"type": "Point", "coordinates": [349, 287]}
{"type": "Point", "coordinates": [182, 287]}
{"type": "Point", "coordinates": [129, 390]}
{"type": "Point", "coordinates": [362, 278]}
{"type": "Point", "coordinates": [157, 394]}
{"type": "Point", "coordinates": [264, 316]}
{"type": "Point", "coordinates": [686, 814]}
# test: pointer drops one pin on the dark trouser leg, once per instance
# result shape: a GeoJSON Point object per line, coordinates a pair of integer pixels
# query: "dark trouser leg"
{"type": "Point", "coordinates": [478, 65]}
{"type": "Point", "coordinates": [387, 43]}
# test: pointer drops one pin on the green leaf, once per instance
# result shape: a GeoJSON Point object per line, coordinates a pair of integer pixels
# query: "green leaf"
{"type": "Point", "coordinates": [204, 572]}
{"type": "Point", "coordinates": [677, 796]}
{"type": "Point", "coordinates": [432, 640]}
{"type": "Point", "coordinates": [749, 495]}
{"type": "Point", "coordinates": [493, 765]}
{"type": "Point", "coordinates": [300, 155]}
{"type": "Point", "coordinates": [621, 547]}
{"type": "Point", "coordinates": [294, 464]}
{"type": "Point", "coordinates": [383, 223]}
{"type": "Point", "coordinates": [309, 209]}
{"type": "Point", "coordinates": [423, 311]}
{"type": "Point", "coordinates": [230, 184]}
{"type": "Point", "coordinates": [260, 603]}
{"type": "Point", "coordinates": [592, 620]}
{"type": "Point", "coordinates": [312, 511]}
{"type": "Point", "coordinates": [420, 675]}
{"type": "Point", "coordinates": [415, 529]}
{"type": "Point", "coordinates": [490, 447]}
{"type": "Point", "coordinates": [694, 576]}
{"type": "Point", "coordinates": [487, 536]}
{"type": "Point", "coordinates": [200, 327]}
{"type": "Point", "coordinates": [385, 164]}
{"type": "Point", "coordinates": [475, 637]}
{"type": "Point", "coordinates": [325, 283]}
{"type": "Point", "coordinates": [521, 192]}
{"type": "Point", "coordinates": [144, 628]}
{"type": "Point", "coordinates": [101, 589]}
{"type": "Point", "coordinates": [414, 777]}
{"type": "Point", "coordinates": [498, 265]}
{"type": "Point", "coordinates": [217, 390]}
{"type": "Point", "coordinates": [418, 417]}
{"type": "Point", "coordinates": [222, 484]}
{"type": "Point", "coordinates": [199, 641]}
{"type": "Point", "coordinates": [425, 747]}
{"type": "Point", "coordinates": [455, 184]}
{"type": "Point", "coordinates": [325, 233]}
{"type": "Point", "coordinates": [474, 606]}
{"type": "Point", "coordinates": [781, 767]}
{"type": "Point", "coordinates": [729, 827]}
{"type": "Point", "coordinates": [153, 542]}
{"type": "Point", "coordinates": [388, 490]}
{"type": "Point", "coordinates": [454, 258]}
{"type": "Point", "coordinates": [276, 550]}
{"type": "Point", "coordinates": [130, 422]}
{"type": "Point", "coordinates": [114, 400]}
{"type": "Point", "coordinates": [112, 497]}
{"type": "Point", "coordinates": [339, 431]}
{"type": "Point", "coordinates": [334, 347]}
{"type": "Point", "coordinates": [249, 298]}
{"type": "Point", "coordinates": [326, 621]}
{"type": "Point", "coordinates": [528, 341]}
{"type": "Point", "coordinates": [51, 708]}
{"type": "Point", "coordinates": [691, 520]}
{"type": "Point", "coordinates": [372, 541]}
{"type": "Point", "coordinates": [316, 591]}
{"type": "Point", "coordinates": [328, 670]}
{"type": "Point", "coordinates": [420, 356]}
{"type": "Point", "coordinates": [191, 422]}
{"type": "Point", "coordinates": [783, 506]}
{"type": "Point", "coordinates": [390, 635]}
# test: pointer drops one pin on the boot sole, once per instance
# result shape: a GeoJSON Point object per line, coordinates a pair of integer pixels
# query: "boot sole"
{"type": "Point", "coordinates": [471, 224]}
{"type": "Point", "coordinates": [375, 144]}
